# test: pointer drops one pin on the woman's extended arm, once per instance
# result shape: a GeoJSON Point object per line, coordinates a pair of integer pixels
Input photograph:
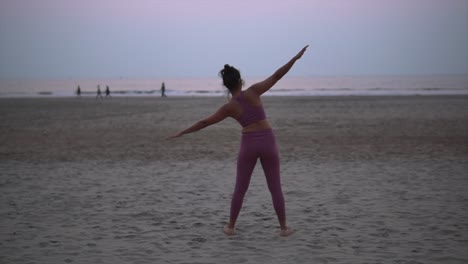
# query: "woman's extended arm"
{"type": "Point", "coordinates": [265, 85]}
{"type": "Point", "coordinates": [218, 116]}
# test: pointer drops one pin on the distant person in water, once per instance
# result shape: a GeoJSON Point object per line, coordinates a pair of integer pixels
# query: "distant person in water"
{"type": "Point", "coordinates": [99, 94]}
{"type": "Point", "coordinates": [258, 140]}
{"type": "Point", "coordinates": [78, 91]}
{"type": "Point", "coordinates": [107, 91]}
{"type": "Point", "coordinates": [163, 90]}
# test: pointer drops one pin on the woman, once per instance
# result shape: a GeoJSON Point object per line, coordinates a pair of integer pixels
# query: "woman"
{"type": "Point", "coordinates": [258, 140]}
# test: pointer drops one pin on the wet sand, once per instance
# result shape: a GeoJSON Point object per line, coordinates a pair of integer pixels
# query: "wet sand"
{"type": "Point", "coordinates": [366, 180]}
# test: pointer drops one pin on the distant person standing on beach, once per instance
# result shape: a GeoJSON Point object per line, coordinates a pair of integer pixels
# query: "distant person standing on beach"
{"type": "Point", "coordinates": [163, 90]}
{"type": "Point", "coordinates": [99, 94]}
{"type": "Point", "coordinates": [107, 91]}
{"type": "Point", "coordinates": [78, 91]}
{"type": "Point", "coordinates": [258, 140]}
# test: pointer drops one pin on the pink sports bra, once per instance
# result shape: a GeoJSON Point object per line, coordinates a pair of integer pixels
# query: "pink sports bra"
{"type": "Point", "coordinates": [250, 113]}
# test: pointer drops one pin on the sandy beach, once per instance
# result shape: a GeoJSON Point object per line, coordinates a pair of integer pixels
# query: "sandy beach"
{"type": "Point", "coordinates": [366, 180]}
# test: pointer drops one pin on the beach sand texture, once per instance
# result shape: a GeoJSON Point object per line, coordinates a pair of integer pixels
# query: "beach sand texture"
{"type": "Point", "coordinates": [366, 180]}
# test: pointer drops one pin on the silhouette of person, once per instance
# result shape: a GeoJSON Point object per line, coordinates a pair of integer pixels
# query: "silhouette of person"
{"type": "Point", "coordinates": [107, 91]}
{"type": "Point", "coordinates": [163, 90]}
{"type": "Point", "coordinates": [99, 94]}
{"type": "Point", "coordinates": [78, 91]}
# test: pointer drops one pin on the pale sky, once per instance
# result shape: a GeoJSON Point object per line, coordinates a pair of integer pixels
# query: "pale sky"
{"type": "Point", "coordinates": [195, 38]}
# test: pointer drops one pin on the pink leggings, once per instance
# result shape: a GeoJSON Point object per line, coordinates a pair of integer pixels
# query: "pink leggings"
{"type": "Point", "coordinates": [254, 145]}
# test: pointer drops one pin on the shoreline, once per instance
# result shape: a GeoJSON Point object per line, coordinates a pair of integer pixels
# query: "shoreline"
{"type": "Point", "coordinates": [201, 96]}
{"type": "Point", "coordinates": [155, 94]}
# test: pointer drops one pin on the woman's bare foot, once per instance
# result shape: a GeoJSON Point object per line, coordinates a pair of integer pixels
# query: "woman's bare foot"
{"type": "Point", "coordinates": [229, 231]}
{"type": "Point", "coordinates": [287, 232]}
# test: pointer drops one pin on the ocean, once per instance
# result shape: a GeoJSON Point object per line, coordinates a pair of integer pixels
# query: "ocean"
{"type": "Point", "coordinates": [288, 86]}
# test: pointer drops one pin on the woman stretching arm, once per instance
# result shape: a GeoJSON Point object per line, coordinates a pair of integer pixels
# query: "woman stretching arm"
{"type": "Point", "coordinates": [258, 140]}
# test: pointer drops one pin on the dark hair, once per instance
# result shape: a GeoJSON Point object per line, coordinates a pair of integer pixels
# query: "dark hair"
{"type": "Point", "coordinates": [231, 77]}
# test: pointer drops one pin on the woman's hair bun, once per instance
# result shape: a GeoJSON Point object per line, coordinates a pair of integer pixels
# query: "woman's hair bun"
{"type": "Point", "coordinates": [231, 77]}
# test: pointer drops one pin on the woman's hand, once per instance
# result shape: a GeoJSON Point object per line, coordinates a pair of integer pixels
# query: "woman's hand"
{"type": "Point", "coordinates": [174, 136]}
{"type": "Point", "coordinates": [303, 50]}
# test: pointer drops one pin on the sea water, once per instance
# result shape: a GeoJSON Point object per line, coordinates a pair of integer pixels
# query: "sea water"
{"type": "Point", "coordinates": [288, 86]}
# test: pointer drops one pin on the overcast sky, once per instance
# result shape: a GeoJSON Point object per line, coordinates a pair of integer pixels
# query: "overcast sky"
{"type": "Point", "coordinates": [195, 38]}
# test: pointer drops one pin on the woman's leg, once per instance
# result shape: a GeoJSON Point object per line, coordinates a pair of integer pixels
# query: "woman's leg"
{"type": "Point", "coordinates": [245, 164]}
{"type": "Point", "coordinates": [271, 166]}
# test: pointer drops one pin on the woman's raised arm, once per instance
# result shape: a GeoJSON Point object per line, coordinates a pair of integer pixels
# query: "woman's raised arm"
{"type": "Point", "coordinates": [265, 85]}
